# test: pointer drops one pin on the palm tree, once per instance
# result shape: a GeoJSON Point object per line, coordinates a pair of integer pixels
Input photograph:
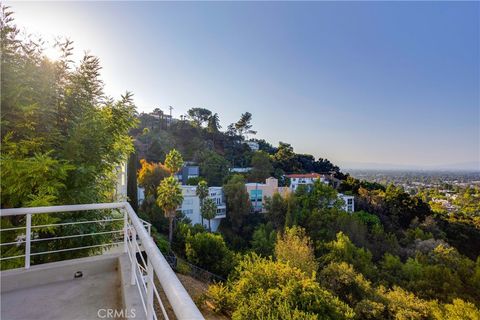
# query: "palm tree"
{"type": "Point", "coordinates": [169, 192]}
{"type": "Point", "coordinates": [209, 211]}
{"type": "Point", "coordinates": [202, 193]}
{"type": "Point", "coordinates": [169, 198]}
{"type": "Point", "coordinates": [174, 161]}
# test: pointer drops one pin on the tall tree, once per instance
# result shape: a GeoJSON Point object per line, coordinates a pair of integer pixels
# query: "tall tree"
{"type": "Point", "coordinates": [209, 211]}
{"type": "Point", "coordinates": [199, 116]}
{"type": "Point", "coordinates": [202, 193]}
{"type": "Point", "coordinates": [214, 168]}
{"type": "Point", "coordinates": [62, 137]}
{"type": "Point", "coordinates": [244, 125]}
{"type": "Point", "coordinates": [132, 188]}
{"type": "Point", "coordinates": [174, 161]}
{"type": "Point", "coordinates": [296, 248]}
{"type": "Point", "coordinates": [238, 202]}
{"type": "Point", "coordinates": [150, 175]}
{"type": "Point", "coordinates": [169, 192]}
{"type": "Point", "coordinates": [261, 167]}
{"type": "Point", "coordinates": [169, 199]}
{"type": "Point", "coordinates": [214, 123]}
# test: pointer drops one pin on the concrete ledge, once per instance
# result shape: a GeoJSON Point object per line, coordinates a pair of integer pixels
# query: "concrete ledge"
{"type": "Point", "coordinates": [130, 294]}
{"type": "Point", "coordinates": [17, 279]}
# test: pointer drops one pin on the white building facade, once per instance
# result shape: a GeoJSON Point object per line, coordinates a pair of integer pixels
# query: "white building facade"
{"type": "Point", "coordinates": [191, 206]}
{"type": "Point", "coordinates": [349, 205]}
{"type": "Point", "coordinates": [253, 145]}
{"type": "Point", "coordinates": [306, 179]}
{"type": "Point", "coordinates": [309, 179]}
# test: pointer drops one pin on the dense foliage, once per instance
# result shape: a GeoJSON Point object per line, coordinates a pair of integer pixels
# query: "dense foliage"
{"type": "Point", "coordinates": [62, 139]}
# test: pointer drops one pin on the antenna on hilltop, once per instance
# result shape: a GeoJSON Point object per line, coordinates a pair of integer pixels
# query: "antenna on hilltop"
{"type": "Point", "coordinates": [171, 108]}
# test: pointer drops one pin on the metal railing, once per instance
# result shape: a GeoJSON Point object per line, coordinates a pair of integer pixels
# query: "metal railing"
{"type": "Point", "coordinates": [147, 262]}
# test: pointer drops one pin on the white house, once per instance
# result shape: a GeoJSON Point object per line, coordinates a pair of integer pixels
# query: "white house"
{"type": "Point", "coordinates": [307, 179]}
{"type": "Point", "coordinates": [253, 145]}
{"type": "Point", "coordinates": [241, 170]}
{"type": "Point", "coordinates": [349, 205]}
{"type": "Point", "coordinates": [191, 205]}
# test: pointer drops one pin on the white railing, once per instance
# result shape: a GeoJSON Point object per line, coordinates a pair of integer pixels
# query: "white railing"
{"type": "Point", "coordinates": [136, 239]}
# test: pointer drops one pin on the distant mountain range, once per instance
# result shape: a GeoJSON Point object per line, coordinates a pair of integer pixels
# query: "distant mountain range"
{"type": "Point", "coordinates": [463, 166]}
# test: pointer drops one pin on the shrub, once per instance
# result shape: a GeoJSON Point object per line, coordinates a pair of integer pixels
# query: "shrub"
{"type": "Point", "coordinates": [262, 288]}
{"type": "Point", "coordinates": [209, 251]}
{"type": "Point", "coordinates": [183, 267]}
{"type": "Point", "coordinates": [294, 247]}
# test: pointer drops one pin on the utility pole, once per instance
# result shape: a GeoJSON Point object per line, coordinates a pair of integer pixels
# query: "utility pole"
{"type": "Point", "coordinates": [171, 108]}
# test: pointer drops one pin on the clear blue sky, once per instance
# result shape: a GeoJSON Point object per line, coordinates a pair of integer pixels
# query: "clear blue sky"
{"type": "Point", "coordinates": [383, 82]}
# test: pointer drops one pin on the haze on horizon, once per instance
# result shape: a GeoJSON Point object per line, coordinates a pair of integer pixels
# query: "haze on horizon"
{"type": "Point", "coordinates": [365, 82]}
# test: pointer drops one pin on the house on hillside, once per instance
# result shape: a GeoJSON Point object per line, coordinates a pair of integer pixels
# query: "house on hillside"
{"type": "Point", "coordinates": [306, 179]}
{"type": "Point", "coordinates": [349, 202]}
{"type": "Point", "coordinates": [258, 192]}
{"type": "Point", "coordinates": [241, 170]}
{"type": "Point", "coordinates": [188, 171]}
{"type": "Point", "coordinates": [253, 145]}
{"type": "Point", "coordinates": [191, 205]}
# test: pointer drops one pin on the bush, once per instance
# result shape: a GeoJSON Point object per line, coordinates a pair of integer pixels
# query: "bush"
{"type": "Point", "coordinates": [263, 240]}
{"type": "Point", "coordinates": [294, 247]}
{"type": "Point", "coordinates": [266, 289]}
{"type": "Point", "coordinates": [219, 296]}
{"type": "Point", "coordinates": [183, 267]}
{"type": "Point", "coordinates": [209, 251]}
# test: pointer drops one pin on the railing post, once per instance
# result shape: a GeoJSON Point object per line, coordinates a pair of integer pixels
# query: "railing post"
{"type": "Point", "coordinates": [125, 230]}
{"type": "Point", "coordinates": [150, 285]}
{"type": "Point", "coordinates": [28, 237]}
{"type": "Point", "coordinates": [134, 257]}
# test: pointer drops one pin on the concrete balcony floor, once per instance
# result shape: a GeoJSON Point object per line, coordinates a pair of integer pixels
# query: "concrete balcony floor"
{"type": "Point", "coordinates": [50, 291]}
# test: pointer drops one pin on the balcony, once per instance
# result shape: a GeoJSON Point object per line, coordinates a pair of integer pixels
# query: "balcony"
{"type": "Point", "coordinates": [127, 278]}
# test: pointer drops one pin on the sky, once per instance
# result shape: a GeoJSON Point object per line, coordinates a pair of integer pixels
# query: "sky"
{"type": "Point", "coordinates": [388, 83]}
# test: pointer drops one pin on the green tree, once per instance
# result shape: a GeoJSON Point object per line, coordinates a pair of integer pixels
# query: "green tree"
{"type": "Point", "coordinates": [169, 199]}
{"type": "Point", "coordinates": [132, 187]}
{"type": "Point", "coordinates": [276, 211]}
{"type": "Point", "coordinates": [295, 247]}
{"type": "Point", "coordinates": [209, 211]}
{"type": "Point", "coordinates": [244, 126]}
{"type": "Point", "coordinates": [209, 251]}
{"type": "Point", "coordinates": [263, 240]}
{"type": "Point", "coordinates": [261, 167]}
{"type": "Point", "coordinates": [202, 193]}
{"type": "Point", "coordinates": [349, 285]}
{"type": "Point", "coordinates": [213, 125]}
{"type": "Point", "coordinates": [62, 137]}
{"type": "Point", "coordinates": [457, 310]}
{"type": "Point", "coordinates": [214, 168]}
{"type": "Point", "coordinates": [266, 289]}
{"type": "Point", "coordinates": [199, 116]}
{"type": "Point", "coordinates": [173, 161]}
{"type": "Point", "coordinates": [342, 249]}
{"type": "Point", "coordinates": [238, 202]}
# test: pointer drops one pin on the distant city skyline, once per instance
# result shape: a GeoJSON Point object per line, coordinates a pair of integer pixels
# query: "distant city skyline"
{"type": "Point", "coordinates": [358, 83]}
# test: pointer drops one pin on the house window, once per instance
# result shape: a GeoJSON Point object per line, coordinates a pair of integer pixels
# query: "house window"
{"type": "Point", "coordinates": [256, 195]}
